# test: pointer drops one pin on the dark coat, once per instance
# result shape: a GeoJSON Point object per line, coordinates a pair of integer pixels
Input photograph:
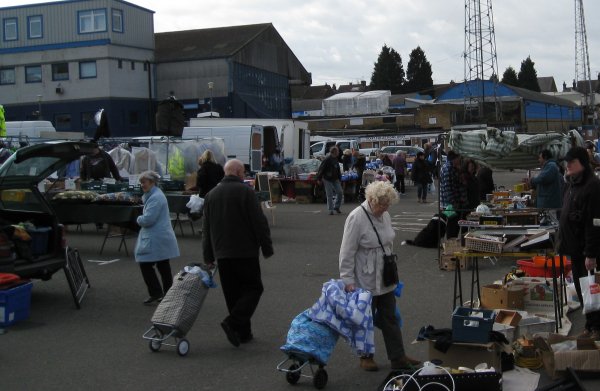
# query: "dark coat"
{"type": "Point", "coordinates": [578, 236]}
{"type": "Point", "coordinates": [98, 167]}
{"type": "Point", "coordinates": [208, 176]}
{"type": "Point", "coordinates": [486, 182]}
{"type": "Point", "coordinates": [329, 169]}
{"type": "Point", "coordinates": [420, 172]}
{"type": "Point", "coordinates": [234, 224]}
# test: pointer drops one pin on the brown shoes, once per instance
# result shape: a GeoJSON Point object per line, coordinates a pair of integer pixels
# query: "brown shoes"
{"type": "Point", "coordinates": [368, 364]}
{"type": "Point", "coordinates": [405, 363]}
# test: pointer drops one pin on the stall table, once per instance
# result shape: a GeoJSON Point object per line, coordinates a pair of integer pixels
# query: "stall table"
{"type": "Point", "coordinates": [122, 216]}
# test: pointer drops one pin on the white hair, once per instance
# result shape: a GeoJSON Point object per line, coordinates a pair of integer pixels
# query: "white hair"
{"type": "Point", "coordinates": [150, 175]}
{"type": "Point", "coordinates": [381, 193]}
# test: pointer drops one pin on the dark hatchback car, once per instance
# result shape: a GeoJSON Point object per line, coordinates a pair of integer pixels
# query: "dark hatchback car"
{"type": "Point", "coordinates": [22, 202]}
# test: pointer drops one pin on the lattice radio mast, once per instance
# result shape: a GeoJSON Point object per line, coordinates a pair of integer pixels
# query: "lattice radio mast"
{"type": "Point", "coordinates": [481, 63]}
{"type": "Point", "coordinates": [582, 59]}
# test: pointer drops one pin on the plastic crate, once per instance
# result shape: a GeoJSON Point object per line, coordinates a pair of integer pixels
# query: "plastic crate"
{"type": "Point", "coordinates": [15, 304]}
{"type": "Point", "coordinates": [472, 325]}
{"type": "Point", "coordinates": [117, 187]}
{"type": "Point", "coordinates": [39, 239]}
{"type": "Point", "coordinates": [91, 185]}
{"type": "Point", "coordinates": [532, 269]}
{"type": "Point", "coordinates": [484, 244]}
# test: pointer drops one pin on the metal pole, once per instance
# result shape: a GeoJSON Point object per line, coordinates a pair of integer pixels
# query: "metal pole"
{"type": "Point", "coordinates": [39, 107]}
{"type": "Point", "coordinates": [210, 88]}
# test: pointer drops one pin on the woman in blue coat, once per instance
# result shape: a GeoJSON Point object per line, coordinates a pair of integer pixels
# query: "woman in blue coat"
{"type": "Point", "coordinates": [156, 242]}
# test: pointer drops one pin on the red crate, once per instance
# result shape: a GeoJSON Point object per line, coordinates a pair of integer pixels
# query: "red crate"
{"type": "Point", "coordinates": [535, 270]}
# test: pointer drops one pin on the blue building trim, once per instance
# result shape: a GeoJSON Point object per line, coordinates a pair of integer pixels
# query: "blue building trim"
{"type": "Point", "coordinates": [56, 46]}
{"type": "Point", "coordinates": [475, 88]}
{"type": "Point", "coordinates": [29, 26]}
{"type": "Point", "coordinates": [50, 4]}
{"type": "Point", "coordinates": [16, 20]}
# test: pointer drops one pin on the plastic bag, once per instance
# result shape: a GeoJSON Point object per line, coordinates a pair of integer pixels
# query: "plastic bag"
{"type": "Point", "coordinates": [590, 291]}
{"type": "Point", "coordinates": [431, 188]}
{"type": "Point", "coordinates": [195, 203]}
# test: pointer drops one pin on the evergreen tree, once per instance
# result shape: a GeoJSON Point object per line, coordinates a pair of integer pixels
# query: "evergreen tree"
{"type": "Point", "coordinates": [528, 75]}
{"type": "Point", "coordinates": [418, 72]}
{"type": "Point", "coordinates": [388, 73]}
{"type": "Point", "coordinates": [510, 78]}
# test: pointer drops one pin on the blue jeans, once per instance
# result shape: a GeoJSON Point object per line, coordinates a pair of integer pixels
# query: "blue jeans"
{"type": "Point", "coordinates": [332, 187]}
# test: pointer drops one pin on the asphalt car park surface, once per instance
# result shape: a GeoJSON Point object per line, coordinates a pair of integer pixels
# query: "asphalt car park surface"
{"type": "Point", "coordinates": [100, 346]}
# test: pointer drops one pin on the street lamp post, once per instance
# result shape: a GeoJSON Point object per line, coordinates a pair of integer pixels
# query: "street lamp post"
{"type": "Point", "coordinates": [210, 88]}
{"type": "Point", "coordinates": [39, 98]}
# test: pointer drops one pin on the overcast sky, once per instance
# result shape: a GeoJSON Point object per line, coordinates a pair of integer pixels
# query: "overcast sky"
{"type": "Point", "coordinates": [338, 41]}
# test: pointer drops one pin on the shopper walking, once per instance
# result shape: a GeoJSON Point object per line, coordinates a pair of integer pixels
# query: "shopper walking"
{"type": "Point", "coordinates": [329, 173]}
{"type": "Point", "coordinates": [209, 174]}
{"type": "Point", "coordinates": [156, 243]}
{"type": "Point", "coordinates": [421, 177]}
{"type": "Point", "coordinates": [579, 234]}
{"type": "Point", "coordinates": [400, 169]}
{"type": "Point", "coordinates": [361, 266]}
{"type": "Point", "coordinates": [234, 230]}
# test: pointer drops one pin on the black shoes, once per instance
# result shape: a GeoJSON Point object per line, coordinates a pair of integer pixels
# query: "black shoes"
{"type": "Point", "coordinates": [152, 299]}
{"type": "Point", "coordinates": [232, 335]}
{"type": "Point", "coordinates": [246, 338]}
{"type": "Point", "coordinates": [338, 210]}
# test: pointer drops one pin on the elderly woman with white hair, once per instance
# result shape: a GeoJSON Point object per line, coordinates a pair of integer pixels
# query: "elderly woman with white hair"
{"type": "Point", "coordinates": [156, 243]}
{"type": "Point", "coordinates": [361, 266]}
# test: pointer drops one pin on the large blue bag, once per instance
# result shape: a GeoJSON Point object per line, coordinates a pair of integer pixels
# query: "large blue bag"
{"type": "Point", "coordinates": [309, 339]}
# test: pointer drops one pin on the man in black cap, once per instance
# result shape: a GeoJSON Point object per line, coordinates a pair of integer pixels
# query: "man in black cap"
{"type": "Point", "coordinates": [579, 229]}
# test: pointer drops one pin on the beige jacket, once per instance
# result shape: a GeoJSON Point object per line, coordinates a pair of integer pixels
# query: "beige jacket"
{"type": "Point", "coordinates": [361, 257]}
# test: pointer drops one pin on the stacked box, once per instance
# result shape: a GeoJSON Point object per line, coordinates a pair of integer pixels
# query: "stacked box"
{"type": "Point", "coordinates": [472, 325]}
{"type": "Point", "coordinates": [304, 192]}
{"type": "Point", "coordinates": [15, 304]}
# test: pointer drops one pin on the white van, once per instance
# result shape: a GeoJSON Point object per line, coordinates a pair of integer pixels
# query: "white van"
{"type": "Point", "coordinates": [251, 144]}
{"type": "Point", "coordinates": [322, 148]}
{"type": "Point", "coordinates": [31, 129]}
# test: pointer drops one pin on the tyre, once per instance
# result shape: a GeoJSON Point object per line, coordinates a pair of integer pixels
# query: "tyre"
{"type": "Point", "coordinates": [183, 347]}
{"type": "Point", "coordinates": [320, 380]}
{"type": "Point", "coordinates": [154, 343]}
{"type": "Point", "coordinates": [293, 376]}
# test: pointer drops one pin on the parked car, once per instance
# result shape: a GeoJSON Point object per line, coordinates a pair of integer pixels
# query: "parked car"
{"type": "Point", "coordinates": [322, 148]}
{"type": "Point", "coordinates": [22, 203]}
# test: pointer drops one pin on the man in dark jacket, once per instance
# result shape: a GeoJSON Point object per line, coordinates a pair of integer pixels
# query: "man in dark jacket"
{"type": "Point", "coordinates": [99, 165]}
{"type": "Point", "coordinates": [400, 168]}
{"type": "Point", "coordinates": [234, 230]}
{"type": "Point", "coordinates": [329, 172]}
{"type": "Point", "coordinates": [579, 229]}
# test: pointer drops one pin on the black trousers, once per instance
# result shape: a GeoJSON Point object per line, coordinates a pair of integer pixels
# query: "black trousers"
{"type": "Point", "coordinates": [384, 306]}
{"type": "Point", "coordinates": [592, 319]}
{"type": "Point", "coordinates": [399, 185]}
{"type": "Point", "coordinates": [164, 269]}
{"type": "Point", "coordinates": [242, 287]}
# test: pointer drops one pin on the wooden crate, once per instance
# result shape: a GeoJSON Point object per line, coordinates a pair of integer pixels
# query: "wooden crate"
{"type": "Point", "coordinates": [447, 262]}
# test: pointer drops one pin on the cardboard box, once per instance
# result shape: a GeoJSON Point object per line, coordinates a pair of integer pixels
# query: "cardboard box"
{"type": "Point", "coordinates": [538, 294]}
{"type": "Point", "coordinates": [535, 324]}
{"type": "Point", "coordinates": [447, 262]}
{"type": "Point", "coordinates": [556, 363]}
{"type": "Point", "coordinates": [509, 318]}
{"type": "Point", "coordinates": [497, 296]}
{"type": "Point", "coordinates": [467, 355]}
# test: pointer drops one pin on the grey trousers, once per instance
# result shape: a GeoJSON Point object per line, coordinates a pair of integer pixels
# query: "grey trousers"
{"type": "Point", "coordinates": [333, 188]}
{"type": "Point", "coordinates": [384, 311]}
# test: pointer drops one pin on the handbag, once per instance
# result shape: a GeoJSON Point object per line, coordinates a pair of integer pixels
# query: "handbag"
{"type": "Point", "coordinates": [590, 290]}
{"type": "Point", "coordinates": [390, 268]}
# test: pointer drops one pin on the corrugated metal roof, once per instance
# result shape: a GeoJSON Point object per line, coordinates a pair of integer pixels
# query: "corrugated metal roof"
{"type": "Point", "coordinates": [202, 44]}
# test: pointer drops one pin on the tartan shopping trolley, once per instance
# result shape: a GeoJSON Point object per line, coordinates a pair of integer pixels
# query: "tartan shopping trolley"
{"type": "Point", "coordinates": [178, 310]}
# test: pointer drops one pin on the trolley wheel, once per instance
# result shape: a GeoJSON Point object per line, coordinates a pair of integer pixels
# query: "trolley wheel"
{"type": "Point", "coordinates": [293, 375]}
{"type": "Point", "coordinates": [154, 344]}
{"type": "Point", "coordinates": [183, 347]}
{"type": "Point", "coordinates": [320, 380]}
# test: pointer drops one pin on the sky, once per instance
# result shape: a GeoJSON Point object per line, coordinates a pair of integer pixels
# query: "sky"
{"type": "Point", "coordinates": [339, 41]}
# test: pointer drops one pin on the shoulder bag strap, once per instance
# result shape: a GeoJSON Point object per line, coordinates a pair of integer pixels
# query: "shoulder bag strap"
{"type": "Point", "coordinates": [374, 229]}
